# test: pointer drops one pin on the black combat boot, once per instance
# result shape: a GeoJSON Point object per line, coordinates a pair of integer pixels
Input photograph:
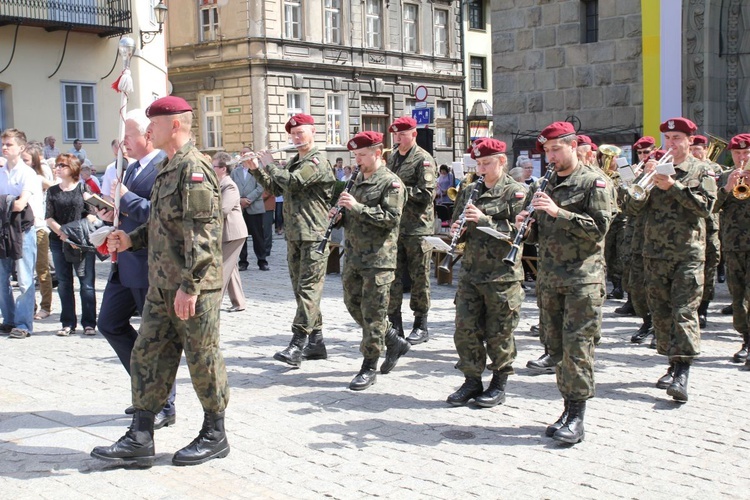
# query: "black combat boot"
{"type": "Point", "coordinates": [471, 388]}
{"type": "Point", "coordinates": [211, 442]}
{"type": "Point", "coordinates": [419, 333]}
{"type": "Point", "coordinates": [292, 355]}
{"type": "Point", "coordinates": [551, 429]}
{"type": "Point", "coordinates": [315, 348]}
{"type": "Point", "coordinates": [136, 446]}
{"type": "Point", "coordinates": [571, 431]}
{"type": "Point", "coordinates": [643, 332]}
{"type": "Point", "coordinates": [741, 355]}
{"type": "Point", "coordinates": [545, 363]}
{"type": "Point", "coordinates": [721, 276]}
{"type": "Point", "coordinates": [679, 388]}
{"type": "Point", "coordinates": [626, 309]}
{"type": "Point", "coordinates": [702, 313]}
{"type": "Point", "coordinates": [746, 366]}
{"type": "Point", "coordinates": [727, 310]}
{"type": "Point", "coordinates": [495, 393]}
{"type": "Point", "coordinates": [652, 345]}
{"type": "Point", "coordinates": [395, 347]}
{"type": "Point", "coordinates": [617, 291]}
{"type": "Point", "coordinates": [397, 322]}
{"type": "Point", "coordinates": [666, 380]}
{"type": "Point", "coordinates": [367, 375]}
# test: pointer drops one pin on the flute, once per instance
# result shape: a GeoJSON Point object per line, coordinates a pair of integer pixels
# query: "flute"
{"type": "Point", "coordinates": [349, 184]}
{"type": "Point", "coordinates": [252, 154]}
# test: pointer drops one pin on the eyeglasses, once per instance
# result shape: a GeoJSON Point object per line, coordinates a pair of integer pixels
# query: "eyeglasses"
{"type": "Point", "coordinates": [643, 151]}
{"type": "Point", "coordinates": [62, 165]}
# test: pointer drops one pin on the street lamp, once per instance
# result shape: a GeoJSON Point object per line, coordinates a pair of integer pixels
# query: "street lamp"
{"type": "Point", "coordinates": [480, 119]}
{"type": "Point", "coordinates": [160, 12]}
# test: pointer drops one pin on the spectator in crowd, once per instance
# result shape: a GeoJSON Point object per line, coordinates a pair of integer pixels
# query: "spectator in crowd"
{"type": "Point", "coordinates": [269, 202]}
{"type": "Point", "coordinates": [89, 179]}
{"type": "Point", "coordinates": [78, 150]}
{"type": "Point", "coordinates": [251, 200]}
{"type": "Point", "coordinates": [517, 174]}
{"type": "Point", "coordinates": [347, 174]}
{"type": "Point", "coordinates": [110, 173]}
{"type": "Point", "coordinates": [278, 216]}
{"type": "Point", "coordinates": [446, 180]}
{"type": "Point", "coordinates": [527, 165]}
{"type": "Point", "coordinates": [339, 168]}
{"type": "Point", "coordinates": [50, 151]}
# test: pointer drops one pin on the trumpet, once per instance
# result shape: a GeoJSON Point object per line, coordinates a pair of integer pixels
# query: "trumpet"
{"type": "Point", "coordinates": [515, 247]}
{"type": "Point", "coordinates": [445, 265]}
{"type": "Point", "coordinates": [253, 154]}
{"type": "Point", "coordinates": [640, 190]}
{"type": "Point", "coordinates": [741, 190]}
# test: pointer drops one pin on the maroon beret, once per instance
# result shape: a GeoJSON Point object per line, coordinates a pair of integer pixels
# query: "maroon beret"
{"type": "Point", "coordinates": [366, 139]}
{"type": "Point", "coordinates": [474, 143]}
{"type": "Point", "coordinates": [644, 142]}
{"type": "Point", "coordinates": [657, 154]}
{"type": "Point", "coordinates": [700, 140]}
{"type": "Point", "coordinates": [403, 123]}
{"type": "Point", "coordinates": [679, 124]}
{"type": "Point", "coordinates": [487, 147]}
{"type": "Point", "coordinates": [299, 119]}
{"type": "Point", "coordinates": [556, 130]}
{"type": "Point", "coordinates": [170, 105]}
{"type": "Point", "coordinates": [740, 141]}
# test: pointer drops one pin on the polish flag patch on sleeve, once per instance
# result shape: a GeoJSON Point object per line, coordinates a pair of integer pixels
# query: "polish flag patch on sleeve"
{"type": "Point", "coordinates": [426, 163]}
{"type": "Point", "coordinates": [316, 161]}
{"type": "Point", "coordinates": [196, 177]}
{"type": "Point", "coordinates": [520, 194]}
{"type": "Point", "coordinates": [600, 183]}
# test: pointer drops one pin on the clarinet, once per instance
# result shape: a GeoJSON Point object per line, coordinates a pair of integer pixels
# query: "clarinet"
{"type": "Point", "coordinates": [349, 184]}
{"type": "Point", "coordinates": [445, 265]}
{"type": "Point", "coordinates": [512, 257]}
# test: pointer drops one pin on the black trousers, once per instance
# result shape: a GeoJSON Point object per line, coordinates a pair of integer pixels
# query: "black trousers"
{"type": "Point", "coordinates": [254, 223]}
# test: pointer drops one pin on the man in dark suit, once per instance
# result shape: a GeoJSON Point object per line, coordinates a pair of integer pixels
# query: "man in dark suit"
{"type": "Point", "coordinates": [253, 211]}
{"type": "Point", "coordinates": [125, 292]}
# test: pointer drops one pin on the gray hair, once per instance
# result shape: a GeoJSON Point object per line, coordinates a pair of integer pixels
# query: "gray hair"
{"type": "Point", "coordinates": [139, 118]}
{"type": "Point", "coordinates": [516, 174]}
{"type": "Point", "coordinates": [523, 160]}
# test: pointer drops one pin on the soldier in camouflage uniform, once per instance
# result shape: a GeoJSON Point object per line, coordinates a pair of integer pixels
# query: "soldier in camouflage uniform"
{"type": "Point", "coordinates": [183, 237]}
{"type": "Point", "coordinates": [674, 252]}
{"type": "Point", "coordinates": [489, 294]}
{"type": "Point", "coordinates": [572, 216]}
{"type": "Point", "coordinates": [371, 214]}
{"type": "Point", "coordinates": [418, 173]}
{"type": "Point", "coordinates": [307, 186]}
{"type": "Point", "coordinates": [735, 241]}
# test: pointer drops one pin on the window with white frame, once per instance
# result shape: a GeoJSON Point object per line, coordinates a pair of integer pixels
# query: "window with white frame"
{"type": "Point", "coordinates": [443, 124]}
{"type": "Point", "coordinates": [209, 20]}
{"type": "Point", "coordinates": [79, 111]}
{"type": "Point", "coordinates": [293, 19]}
{"type": "Point", "coordinates": [212, 130]}
{"type": "Point", "coordinates": [411, 27]}
{"type": "Point", "coordinates": [374, 24]}
{"type": "Point", "coordinates": [296, 103]}
{"type": "Point", "coordinates": [441, 32]}
{"type": "Point", "coordinates": [336, 128]}
{"type": "Point", "coordinates": [332, 21]}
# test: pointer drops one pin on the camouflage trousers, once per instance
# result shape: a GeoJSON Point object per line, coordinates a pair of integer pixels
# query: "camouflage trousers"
{"type": "Point", "coordinates": [613, 249]}
{"type": "Point", "coordinates": [674, 291]}
{"type": "Point", "coordinates": [307, 270]}
{"type": "Point", "coordinates": [486, 316]}
{"type": "Point", "coordinates": [413, 255]}
{"type": "Point", "coordinates": [713, 256]}
{"type": "Point", "coordinates": [637, 292]}
{"type": "Point", "coordinates": [627, 256]}
{"type": "Point", "coordinates": [738, 280]}
{"type": "Point", "coordinates": [159, 346]}
{"type": "Point", "coordinates": [366, 299]}
{"type": "Point", "coordinates": [571, 319]}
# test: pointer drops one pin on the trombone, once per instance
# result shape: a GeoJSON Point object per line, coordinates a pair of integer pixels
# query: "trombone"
{"type": "Point", "coordinates": [253, 154]}
{"type": "Point", "coordinates": [640, 190]}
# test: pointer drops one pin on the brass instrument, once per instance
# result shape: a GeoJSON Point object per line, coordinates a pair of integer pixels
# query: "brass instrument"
{"type": "Point", "coordinates": [741, 190]}
{"type": "Point", "coordinates": [452, 191]}
{"type": "Point", "coordinates": [640, 190]}
{"type": "Point", "coordinates": [252, 154]}
{"type": "Point", "coordinates": [515, 247]}
{"type": "Point", "coordinates": [609, 154]}
{"type": "Point", "coordinates": [716, 146]}
{"type": "Point", "coordinates": [445, 265]}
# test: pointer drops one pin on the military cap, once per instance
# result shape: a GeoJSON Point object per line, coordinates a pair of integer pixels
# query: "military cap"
{"type": "Point", "coordinates": [678, 124]}
{"type": "Point", "coordinates": [644, 142]}
{"type": "Point", "coordinates": [170, 105]}
{"type": "Point", "coordinates": [474, 143]}
{"type": "Point", "coordinates": [740, 141]}
{"type": "Point", "coordinates": [366, 139]}
{"type": "Point", "coordinates": [700, 140]}
{"type": "Point", "coordinates": [488, 147]}
{"type": "Point", "coordinates": [556, 130]}
{"type": "Point", "coordinates": [402, 124]}
{"type": "Point", "coordinates": [657, 154]}
{"type": "Point", "coordinates": [297, 120]}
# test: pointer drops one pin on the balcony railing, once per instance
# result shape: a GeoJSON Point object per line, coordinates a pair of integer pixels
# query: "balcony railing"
{"type": "Point", "coordinates": [102, 17]}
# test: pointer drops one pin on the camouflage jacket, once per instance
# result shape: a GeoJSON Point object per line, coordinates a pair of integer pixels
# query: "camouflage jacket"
{"type": "Point", "coordinates": [307, 186]}
{"type": "Point", "coordinates": [483, 254]}
{"type": "Point", "coordinates": [183, 232]}
{"type": "Point", "coordinates": [371, 226]}
{"type": "Point", "coordinates": [735, 219]}
{"type": "Point", "coordinates": [712, 221]}
{"type": "Point", "coordinates": [418, 175]}
{"type": "Point", "coordinates": [571, 246]}
{"type": "Point", "coordinates": [675, 226]}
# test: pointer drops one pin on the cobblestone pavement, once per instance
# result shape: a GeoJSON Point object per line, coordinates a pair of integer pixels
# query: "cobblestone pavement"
{"type": "Point", "coordinates": [300, 433]}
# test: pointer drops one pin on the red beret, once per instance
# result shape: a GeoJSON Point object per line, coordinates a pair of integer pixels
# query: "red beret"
{"type": "Point", "coordinates": [474, 143]}
{"type": "Point", "coordinates": [487, 147]}
{"type": "Point", "coordinates": [170, 105]}
{"type": "Point", "coordinates": [299, 119]}
{"type": "Point", "coordinates": [365, 140]}
{"type": "Point", "coordinates": [555, 130]}
{"type": "Point", "coordinates": [657, 154]}
{"type": "Point", "coordinates": [644, 142]}
{"type": "Point", "coordinates": [403, 123]}
{"type": "Point", "coordinates": [700, 140]}
{"type": "Point", "coordinates": [740, 141]}
{"type": "Point", "coordinates": [678, 125]}
{"type": "Point", "coordinates": [584, 140]}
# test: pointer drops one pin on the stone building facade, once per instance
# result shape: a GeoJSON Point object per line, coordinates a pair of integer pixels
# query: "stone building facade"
{"type": "Point", "coordinates": [354, 65]}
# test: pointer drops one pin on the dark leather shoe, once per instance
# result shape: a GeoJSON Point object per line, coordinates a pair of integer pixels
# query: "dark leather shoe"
{"type": "Point", "coordinates": [545, 364]}
{"type": "Point", "coordinates": [626, 309]}
{"type": "Point", "coordinates": [242, 266]}
{"type": "Point", "coordinates": [679, 388]}
{"type": "Point", "coordinates": [746, 366]}
{"type": "Point", "coordinates": [130, 410]}
{"type": "Point", "coordinates": [395, 347]}
{"type": "Point", "coordinates": [211, 442]}
{"type": "Point", "coordinates": [551, 429]}
{"type": "Point", "coordinates": [652, 345]}
{"type": "Point", "coordinates": [643, 332]}
{"type": "Point", "coordinates": [727, 310]}
{"type": "Point", "coordinates": [495, 393]}
{"type": "Point", "coordinates": [135, 447]}
{"type": "Point", "coordinates": [419, 333]}
{"type": "Point", "coordinates": [572, 431]}
{"type": "Point", "coordinates": [367, 376]}
{"type": "Point", "coordinates": [292, 355]}
{"type": "Point", "coordinates": [741, 355]}
{"type": "Point", "coordinates": [315, 347]}
{"type": "Point", "coordinates": [720, 276]}
{"type": "Point", "coordinates": [264, 267]}
{"type": "Point", "coordinates": [666, 380]}
{"type": "Point", "coordinates": [702, 320]}
{"type": "Point", "coordinates": [164, 419]}
{"type": "Point", "coordinates": [534, 329]}
{"type": "Point", "coordinates": [471, 388]}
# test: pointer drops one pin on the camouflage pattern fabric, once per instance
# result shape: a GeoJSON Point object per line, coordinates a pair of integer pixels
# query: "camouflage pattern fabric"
{"type": "Point", "coordinates": [613, 248]}
{"type": "Point", "coordinates": [626, 254]}
{"type": "Point", "coordinates": [413, 257]}
{"type": "Point", "coordinates": [307, 270]}
{"type": "Point", "coordinates": [366, 299]}
{"type": "Point", "coordinates": [738, 280]}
